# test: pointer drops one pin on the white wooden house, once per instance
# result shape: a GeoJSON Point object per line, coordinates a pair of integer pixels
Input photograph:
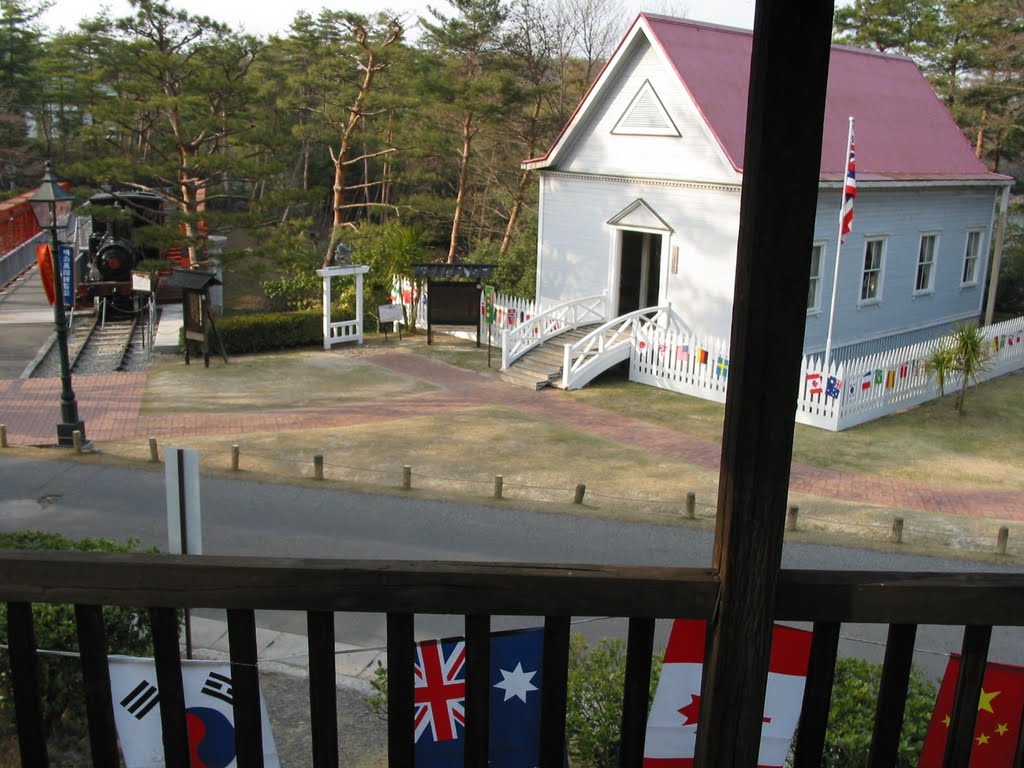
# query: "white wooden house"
{"type": "Point", "coordinates": [640, 193]}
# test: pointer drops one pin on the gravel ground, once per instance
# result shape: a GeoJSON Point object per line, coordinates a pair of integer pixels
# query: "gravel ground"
{"type": "Point", "coordinates": [362, 735]}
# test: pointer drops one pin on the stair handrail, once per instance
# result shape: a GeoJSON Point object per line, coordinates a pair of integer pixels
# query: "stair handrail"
{"type": "Point", "coordinates": [580, 358]}
{"type": "Point", "coordinates": [560, 318]}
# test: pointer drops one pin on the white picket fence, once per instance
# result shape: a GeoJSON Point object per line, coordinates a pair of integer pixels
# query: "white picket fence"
{"type": "Point", "coordinates": [840, 397]}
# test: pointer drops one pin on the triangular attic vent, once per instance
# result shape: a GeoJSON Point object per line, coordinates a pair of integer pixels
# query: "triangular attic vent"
{"type": "Point", "coordinates": [646, 116]}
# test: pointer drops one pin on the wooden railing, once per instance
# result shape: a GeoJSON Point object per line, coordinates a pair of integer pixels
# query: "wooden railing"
{"type": "Point", "coordinates": [401, 589]}
{"type": "Point", "coordinates": [517, 341]}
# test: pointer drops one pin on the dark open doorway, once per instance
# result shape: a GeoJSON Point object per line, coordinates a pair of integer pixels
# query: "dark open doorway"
{"type": "Point", "coordinates": [639, 271]}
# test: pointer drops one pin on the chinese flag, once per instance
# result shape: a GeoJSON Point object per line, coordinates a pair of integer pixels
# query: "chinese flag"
{"type": "Point", "coordinates": [998, 722]}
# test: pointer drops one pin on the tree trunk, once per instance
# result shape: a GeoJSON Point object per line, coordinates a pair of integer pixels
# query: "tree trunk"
{"type": "Point", "coordinates": [524, 180]}
{"type": "Point", "coordinates": [460, 197]}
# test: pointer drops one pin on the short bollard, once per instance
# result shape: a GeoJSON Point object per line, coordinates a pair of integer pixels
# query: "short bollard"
{"type": "Point", "coordinates": [499, 482]}
{"type": "Point", "coordinates": [581, 489]}
{"type": "Point", "coordinates": [406, 477]}
{"type": "Point", "coordinates": [76, 440]}
{"type": "Point", "coordinates": [318, 467]}
{"type": "Point", "coordinates": [3, 435]}
{"type": "Point", "coordinates": [897, 530]}
{"type": "Point", "coordinates": [791, 516]}
{"type": "Point", "coordinates": [1004, 536]}
{"type": "Point", "coordinates": [691, 506]}
{"type": "Point", "coordinates": [154, 455]}
{"type": "Point", "coordinates": [234, 458]}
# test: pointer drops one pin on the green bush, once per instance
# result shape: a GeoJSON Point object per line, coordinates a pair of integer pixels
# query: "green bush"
{"type": "Point", "coordinates": [243, 334]}
{"type": "Point", "coordinates": [851, 718]}
{"type": "Point", "coordinates": [63, 696]}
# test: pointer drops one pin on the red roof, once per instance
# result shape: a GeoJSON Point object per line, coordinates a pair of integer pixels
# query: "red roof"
{"type": "Point", "coordinates": [902, 128]}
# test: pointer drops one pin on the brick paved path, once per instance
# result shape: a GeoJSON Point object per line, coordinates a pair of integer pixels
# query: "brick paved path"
{"type": "Point", "coordinates": [110, 406]}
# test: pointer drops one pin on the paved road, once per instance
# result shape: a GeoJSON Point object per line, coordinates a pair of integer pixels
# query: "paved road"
{"type": "Point", "coordinates": [249, 518]}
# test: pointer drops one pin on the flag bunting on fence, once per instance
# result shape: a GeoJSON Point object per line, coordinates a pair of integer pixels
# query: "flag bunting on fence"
{"type": "Point", "coordinates": [675, 713]}
{"type": "Point", "coordinates": [702, 356]}
{"type": "Point", "coordinates": [683, 352]}
{"type": "Point", "coordinates": [865, 382]}
{"type": "Point", "coordinates": [722, 368]}
{"type": "Point", "coordinates": [814, 384]}
{"type": "Point", "coordinates": [209, 713]}
{"type": "Point", "coordinates": [834, 387]}
{"type": "Point", "coordinates": [997, 727]}
{"type": "Point", "coordinates": [890, 379]}
{"type": "Point", "coordinates": [440, 691]}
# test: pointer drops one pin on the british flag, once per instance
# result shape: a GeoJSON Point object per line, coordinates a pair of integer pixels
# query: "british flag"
{"type": "Point", "coordinates": [440, 689]}
{"type": "Point", "coordinates": [849, 188]}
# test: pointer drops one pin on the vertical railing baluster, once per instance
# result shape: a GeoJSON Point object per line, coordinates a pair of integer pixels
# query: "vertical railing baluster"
{"type": "Point", "coordinates": [99, 707]}
{"type": "Point", "coordinates": [636, 695]}
{"type": "Point", "coordinates": [167, 656]}
{"type": "Point", "coordinates": [892, 695]}
{"type": "Point", "coordinates": [245, 688]}
{"type": "Point", "coordinates": [323, 691]}
{"type": "Point", "coordinates": [821, 672]}
{"type": "Point", "coordinates": [478, 691]}
{"type": "Point", "coordinates": [974, 655]}
{"type": "Point", "coordinates": [21, 638]}
{"type": "Point", "coordinates": [554, 691]}
{"type": "Point", "coordinates": [401, 655]}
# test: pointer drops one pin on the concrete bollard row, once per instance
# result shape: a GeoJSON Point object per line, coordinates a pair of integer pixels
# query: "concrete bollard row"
{"type": "Point", "coordinates": [154, 454]}
{"type": "Point", "coordinates": [691, 506]}
{"type": "Point", "coordinates": [406, 477]}
{"type": "Point", "coordinates": [234, 458]}
{"type": "Point", "coordinates": [791, 515]}
{"type": "Point", "coordinates": [499, 483]}
{"type": "Point", "coordinates": [3, 435]}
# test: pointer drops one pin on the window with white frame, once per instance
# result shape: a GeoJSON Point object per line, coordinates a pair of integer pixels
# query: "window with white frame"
{"type": "Point", "coordinates": [814, 289]}
{"type": "Point", "coordinates": [871, 279]}
{"type": "Point", "coordinates": [925, 281]}
{"type": "Point", "coordinates": [971, 257]}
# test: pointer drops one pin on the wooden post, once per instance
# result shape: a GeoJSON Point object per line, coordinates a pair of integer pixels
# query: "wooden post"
{"type": "Point", "coordinates": [691, 505]}
{"type": "Point", "coordinates": [318, 467]}
{"type": "Point", "coordinates": [779, 198]}
{"type": "Point", "coordinates": [499, 482]}
{"type": "Point", "coordinates": [406, 477]}
{"type": "Point", "coordinates": [897, 531]}
{"type": "Point", "coordinates": [3, 435]}
{"type": "Point", "coordinates": [581, 489]}
{"type": "Point", "coordinates": [791, 516]}
{"type": "Point", "coordinates": [154, 454]}
{"type": "Point", "coordinates": [76, 440]}
{"type": "Point", "coordinates": [234, 458]}
{"type": "Point", "coordinates": [1001, 540]}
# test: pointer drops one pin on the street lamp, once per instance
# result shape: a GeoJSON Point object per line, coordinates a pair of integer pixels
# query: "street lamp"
{"type": "Point", "coordinates": [52, 208]}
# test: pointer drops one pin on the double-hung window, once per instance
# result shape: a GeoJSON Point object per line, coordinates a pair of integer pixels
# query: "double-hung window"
{"type": "Point", "coordinates": [874, 264]}
{"type": "Point", "coordinates": [814, 289]}
{"type": "Point", "coordinates": [925, 281]}
{"type": "Point", "coordinates": [972, 254]}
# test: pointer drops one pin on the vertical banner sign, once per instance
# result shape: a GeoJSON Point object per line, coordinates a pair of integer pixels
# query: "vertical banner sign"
{"type": "Point", "coordinates": [66, 253]}
{"type": "Point", "coordinates": [489, 311]}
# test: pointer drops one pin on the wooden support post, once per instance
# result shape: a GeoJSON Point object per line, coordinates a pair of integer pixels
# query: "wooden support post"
{"type": "Point", "coordinates": [318, 467]}
{"type": "Point", "coordinates": [897, 531]}
{"type": "Point", "coordinates": [791, 516]}
{"type": "Point", "coordinates": [406, 477]}
{"type": "Point", "coordinates": [691, 505]}
{"type": "Point", "coordinates": [154, 454]}
{"type": "Point", "coordinates": [581, 490]}
{"type": "Point", "coordinates": [3, 435]}
{"type": "Point", "coordinates": [76, 440]}
{"type": "Point", "coordinates": [234, 458]}
{"type": "Point", "coordinates": [785, 115]}
{"type": "Point", "coordinates": [499, 482]}
{"type": "Point", "coordinates": [1001, 540]}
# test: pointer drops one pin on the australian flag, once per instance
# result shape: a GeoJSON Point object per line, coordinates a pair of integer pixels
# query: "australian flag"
{"type": "Point", "coordinates": [440, 694]}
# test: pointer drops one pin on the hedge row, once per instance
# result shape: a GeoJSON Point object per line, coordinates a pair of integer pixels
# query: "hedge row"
{"type": "Point", "coordinates": [242, 334]}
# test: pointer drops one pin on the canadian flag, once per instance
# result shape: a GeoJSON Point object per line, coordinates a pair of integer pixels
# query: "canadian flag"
{"type": "Point", "coordinates": [675, 714]}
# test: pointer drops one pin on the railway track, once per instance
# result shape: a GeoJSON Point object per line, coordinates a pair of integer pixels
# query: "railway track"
{"type": "Point", "coordinates": [95, 348]}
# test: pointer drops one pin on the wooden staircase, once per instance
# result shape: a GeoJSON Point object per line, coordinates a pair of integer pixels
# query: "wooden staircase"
{"type": "Point", "coordinates": [542, 366]}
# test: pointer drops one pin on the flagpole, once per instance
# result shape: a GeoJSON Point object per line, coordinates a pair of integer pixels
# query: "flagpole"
{"type": "Point", "coordinates": [839, 249]}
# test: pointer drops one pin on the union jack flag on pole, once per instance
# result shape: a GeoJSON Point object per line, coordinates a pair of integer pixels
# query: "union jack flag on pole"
{"type": "Point", "coordinates": [849, 186]}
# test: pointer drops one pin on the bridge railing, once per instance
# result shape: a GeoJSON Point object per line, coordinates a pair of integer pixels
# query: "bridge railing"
{"type": "Point", "coordinates": [14, 262]}
{"type": "Point", "coordinates": [163, 584]}
{"type": "Point", "coordinates": [613, 341]}
{"type": "Point", "coordinates": [531, 333]}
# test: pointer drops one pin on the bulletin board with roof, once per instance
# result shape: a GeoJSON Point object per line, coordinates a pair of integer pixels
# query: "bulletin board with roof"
{"type": "Point", "coordinates": [453, 294]}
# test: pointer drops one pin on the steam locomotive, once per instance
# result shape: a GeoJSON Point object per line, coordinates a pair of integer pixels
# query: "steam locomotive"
{"type": "Point", "coordinates": [114, 248]}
